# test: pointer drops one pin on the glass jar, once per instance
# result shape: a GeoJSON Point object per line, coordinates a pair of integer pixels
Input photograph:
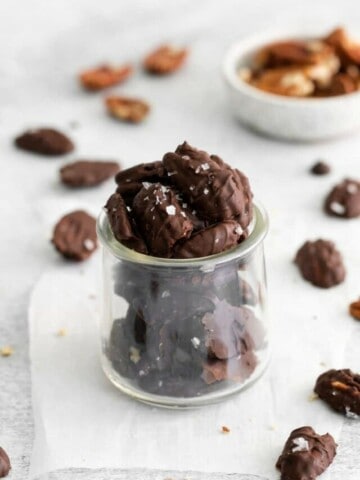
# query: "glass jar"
{"type": "Point", "coordinates": [184, 333]}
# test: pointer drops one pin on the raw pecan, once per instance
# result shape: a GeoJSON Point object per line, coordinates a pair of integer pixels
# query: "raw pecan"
{"type": "Point", "coordinates": [165, 59]}
{"type": "Point", "coordinates": [104, 76]}
{"type": "Point", "coordinates": [127, 109]}
{"type": "Point", "coordinates": [354, 309]}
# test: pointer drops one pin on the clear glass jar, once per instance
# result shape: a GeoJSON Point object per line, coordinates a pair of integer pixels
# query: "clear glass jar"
{"type": "Point", "coordinates": [184, 333]}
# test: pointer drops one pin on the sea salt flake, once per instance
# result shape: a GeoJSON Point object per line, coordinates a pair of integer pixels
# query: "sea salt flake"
{"type": "Point", "coordinates": [205, 166]}
{"type": "Point", "coordinates": [170, 174]}
{"type": "Point", "coordinates": [183, 214]}
{"type": "Point", "coordinates": [350, 414]}
{"type": "Point", "coordinates": [89, 244]}
{"type": "Point", "coordinates": [238, 230]}
{"type": "Point", "coordinates": [146, 185]}
{"type": "Point", "coordinates": [352, 188]}
{"type": "Point", "coordinates": [197, 170]}
{"type": "Point", "coordinates": [206, 191]}
{"type": "Point", "coordinates": [170, 210]}
{"type": "Point", "coordinates": [217, 240]}
{"type": "Point", "coordinates": [165, 294]}
{"type": "Point", "coordinates": [195, 342]}
{"type": "Point", "coordinates": [337, 207]}
{"type": "Point", "coordinates": [146, 198]}
{"type": "Point", "coordinates": [192, 187]}
{"type": "Point", "coordinates": [128, 209]}
{"type": "Point", "coordinates": [184, 205]}
{"type": "Point", "coordinates": [185, 157]}
{"type": "Point", "coordinates": [157, 200]}
{"type": "Point", "coordinates": [301, 445]}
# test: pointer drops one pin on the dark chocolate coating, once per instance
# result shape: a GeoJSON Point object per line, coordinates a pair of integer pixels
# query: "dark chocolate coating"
{"type": "Point", "coordinates": [45, 141]}
{"type": "Point", "coordinates": [144, 172]}
{"type": "Point", "coordinates": [75, 235]}
{"type": "Point", "coordinates": [211, 240]}
{"type": "Point", "coordinates": [306, 455]}
{"type": "Point", "coordinates": [87, 173]}
{"type": "Point", "coordinates": [216, 191]}
{"type": "Point", "coordinates": [161, 219]}
{"type": "Point", "coordinates": [340, 389]}
{"type": "Point", "coordinates": [344, 199]}
{"type": "Point", "coordinates": [122, 225]}
{"type": "Point", "coordinates": [5, 465]}
{"type": "Point", "coordinates": [320, 263]}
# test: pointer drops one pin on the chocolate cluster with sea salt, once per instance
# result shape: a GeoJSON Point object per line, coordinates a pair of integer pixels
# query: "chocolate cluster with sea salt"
{"type": "Point", "coordinates": [191, 204]}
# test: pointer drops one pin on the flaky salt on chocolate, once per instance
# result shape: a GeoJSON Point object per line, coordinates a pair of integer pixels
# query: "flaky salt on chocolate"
{"type": "Point", "coordinates": [340, 389]}
{"type": "Point", "coordinates": [344, 199]}
{"type": "Point", "coordinates": [130, 181]}
{"type": "Point", "coordinates": [320, 263]}
{"type": "Point", "coordinates": [306, 455]}
{"type": "Point", "coordinates": [160, 218]}
{"type": "Point", "coordinates": [216, 191]}
{"type": "Point", "coordinates": [190, 205]}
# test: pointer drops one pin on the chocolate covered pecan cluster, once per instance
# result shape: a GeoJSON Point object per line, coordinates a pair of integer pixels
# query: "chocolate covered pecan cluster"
{"type": "Point", "coordinates": [191, 204]}
{"type": "Point", "coordinates": [321, 67]}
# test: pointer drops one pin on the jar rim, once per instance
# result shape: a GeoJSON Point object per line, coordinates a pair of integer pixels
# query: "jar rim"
{"type": "Point", "coordinates": [257, 235]}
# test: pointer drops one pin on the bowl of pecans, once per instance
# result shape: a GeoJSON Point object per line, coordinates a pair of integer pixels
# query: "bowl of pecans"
{"type": "Point", "coordinates": [296, 87]}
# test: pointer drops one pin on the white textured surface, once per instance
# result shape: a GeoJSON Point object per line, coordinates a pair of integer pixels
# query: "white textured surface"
{"type": "Point", "coordinates": [42, 45]}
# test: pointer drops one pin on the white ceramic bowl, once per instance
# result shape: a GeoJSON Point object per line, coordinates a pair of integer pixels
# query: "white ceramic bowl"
{"type": "Point", "coordinates": [293, 119]}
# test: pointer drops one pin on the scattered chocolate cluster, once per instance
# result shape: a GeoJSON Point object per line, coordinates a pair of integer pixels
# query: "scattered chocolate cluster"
{"type": "Point", "coordinates": [186, 331]}
{"type": "Point", "coordinates": [306, 455]}
{"type": "Point", "coordinates": [322, 67]}
{"type": "Point", "coordinates": [320, 263]}
{"type": "Point", "coordinates": [5, 465]}
{"type": "Point", "coordinates": [344, 199]}
{"type": "Point", "coordinates": [340, 389]}
{"type": "Point", "coordinates": [191, 204]}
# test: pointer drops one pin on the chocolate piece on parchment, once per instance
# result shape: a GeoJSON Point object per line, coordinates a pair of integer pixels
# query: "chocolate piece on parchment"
{"type": "Point", "coordinates": [87, 173]}
{"type": "Point", "coordinates": [122, 225]}
{"type": "Point", "coordinates": [160, 218]}
{"type": "Point", "coordinates": [320, 263]}
{"type": "Point", "coordinates": [45, 141]}
{"type": "Point", "coordinates": [215, 192]}
{"type": "Point", "coordinates": [340, 389]}
{"type": "Point", "coordinates": [75, 235]}
{"type": "Point", "coordinates": [5, 465]}
{"type": "Point", "coordinates": [306, 455]}
{"type": "Point", "coordinates": [344, 199]}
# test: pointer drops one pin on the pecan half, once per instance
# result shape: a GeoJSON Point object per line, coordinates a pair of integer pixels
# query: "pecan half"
{"type": "Point", "coordinates": [104, 76]}
{"type": "Point", "coordinates": [354, 309]}
{"type": "Point", "coordinates": [340, 389]}
{"type": "Point", "coordinates": [127, 109]}
{"type": "Point", "coordinates": [165, 59]}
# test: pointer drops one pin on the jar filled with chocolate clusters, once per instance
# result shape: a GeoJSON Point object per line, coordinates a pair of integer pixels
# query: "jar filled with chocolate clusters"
{"type": "Point", "coordinates": [184, 319]}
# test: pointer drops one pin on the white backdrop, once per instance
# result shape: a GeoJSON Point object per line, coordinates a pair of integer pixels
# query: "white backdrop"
{"type": "Point", "coordinates": [43, 45]}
